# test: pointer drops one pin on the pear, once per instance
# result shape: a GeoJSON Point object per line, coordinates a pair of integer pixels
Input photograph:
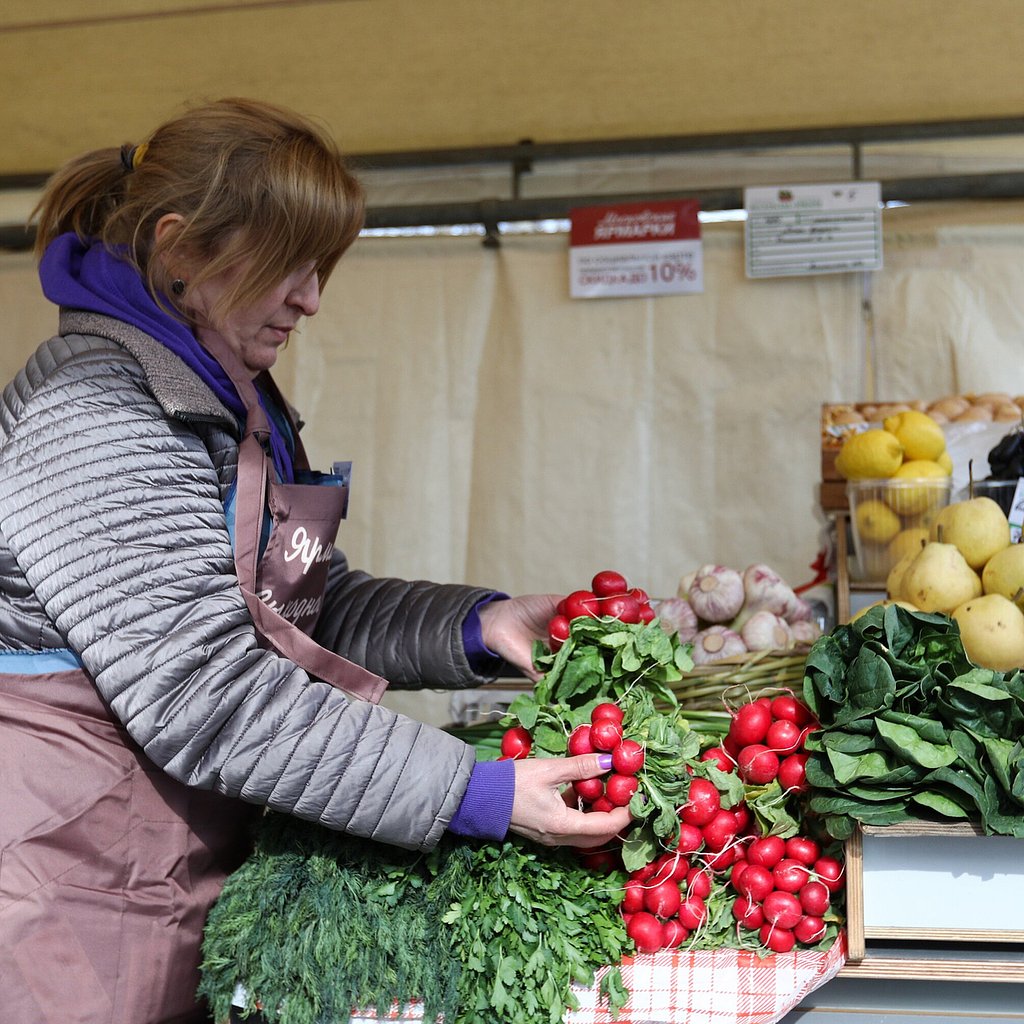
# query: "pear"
{"type": "Point", "coordinates": [1004, 572]}
{"type": "Point", "coordinates": [992, 631]}
{"type": "Point", "coordinates": [939, 579]}
{"type": "Point", "coordinates": [977, 526]}
{"type": "Point", "coordinates": [894, 581]}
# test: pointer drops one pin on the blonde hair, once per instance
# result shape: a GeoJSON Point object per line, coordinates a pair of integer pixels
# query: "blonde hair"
{"type": "Point", "coordinates": [256, 187]}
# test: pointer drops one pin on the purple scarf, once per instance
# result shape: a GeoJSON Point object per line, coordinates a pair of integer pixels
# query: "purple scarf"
{"type": "Point", "coordinates": [92, 278]}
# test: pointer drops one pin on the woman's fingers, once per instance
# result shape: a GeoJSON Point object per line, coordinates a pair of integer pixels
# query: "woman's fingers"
{"type": "Point", "coordinates": [540, 812]}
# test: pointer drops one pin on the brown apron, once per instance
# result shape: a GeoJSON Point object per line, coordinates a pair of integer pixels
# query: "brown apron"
{"type": "Point", "coordinates": [108, 866]}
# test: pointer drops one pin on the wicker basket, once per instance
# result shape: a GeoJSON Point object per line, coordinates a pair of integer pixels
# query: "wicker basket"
{"type": "Point", "coordinates": [709, 693]}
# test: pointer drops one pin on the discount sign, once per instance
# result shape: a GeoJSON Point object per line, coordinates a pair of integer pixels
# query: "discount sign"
{"type": "Point", "coordinates": [635, 249]}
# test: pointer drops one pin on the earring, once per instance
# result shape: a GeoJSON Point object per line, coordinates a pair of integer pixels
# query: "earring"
{"type": "Point", "coordinates": [178, 287]}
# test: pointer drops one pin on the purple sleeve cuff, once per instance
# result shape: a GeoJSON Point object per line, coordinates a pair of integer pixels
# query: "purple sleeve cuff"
{"type": "Point", "coordinates": [486, 808]}
{"type": "Point", "coordinates": [481, 658]}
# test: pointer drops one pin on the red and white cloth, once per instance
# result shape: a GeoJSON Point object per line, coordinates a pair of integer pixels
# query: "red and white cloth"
{"type": "Point", "coordinates": [721, 986]}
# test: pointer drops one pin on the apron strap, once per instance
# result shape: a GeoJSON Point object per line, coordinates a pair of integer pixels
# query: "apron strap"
{"type": "Point", "coordinates": [253, 475]}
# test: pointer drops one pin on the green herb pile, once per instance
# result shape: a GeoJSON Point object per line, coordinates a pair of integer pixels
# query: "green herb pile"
{"type": "Point", "coordinates": [910, 729]}
{"type": "Point", "coordinates": [316, 923]}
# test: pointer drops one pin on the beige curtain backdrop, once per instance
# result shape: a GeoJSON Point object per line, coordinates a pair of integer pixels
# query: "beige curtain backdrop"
{"type": "Point", "coordinates": [507, 435]}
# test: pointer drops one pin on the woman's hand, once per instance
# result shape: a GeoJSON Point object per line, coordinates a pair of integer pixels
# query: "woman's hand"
{"type": "Point", "coordinates": [540, 811]}
{"type": "Point", "coordinates": [509, 627]}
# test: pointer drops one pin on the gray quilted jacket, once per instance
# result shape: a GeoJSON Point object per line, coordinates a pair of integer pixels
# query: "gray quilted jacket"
{"type": "Point", "coordinates": [115, 460]}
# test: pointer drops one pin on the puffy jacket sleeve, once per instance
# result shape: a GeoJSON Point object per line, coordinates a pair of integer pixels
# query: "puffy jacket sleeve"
{"type": "Point", "coordinates": [409, 632]}
{"type": "Point", "coordinates": [114, 514]}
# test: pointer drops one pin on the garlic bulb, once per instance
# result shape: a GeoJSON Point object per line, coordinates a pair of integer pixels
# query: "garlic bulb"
{"type": "Point", "coordinates": [805, 631]}
{"type": "Point", "coordinates": [676, 615]}
{"type": "Point", "coordinates": [766, 631]}
{"type": "Point", "coordinates": [716, 642]}
{"type": "Point", "coordinates": [716, 593]}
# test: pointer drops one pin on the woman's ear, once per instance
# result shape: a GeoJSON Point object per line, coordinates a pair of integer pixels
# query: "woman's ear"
{"type": "Point", "coordinates": [167, 229]}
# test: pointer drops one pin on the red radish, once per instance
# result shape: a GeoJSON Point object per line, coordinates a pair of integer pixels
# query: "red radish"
{"type": "Point", "coordinates": [602, 804]}
{"type": "Point", "coordinates": [516, 743]}
{"type": "Point", "coordinates": [601, 862]}
{"type": "Point", "coordinates": [778, 940]}
{"type": "Point", "coordinates": [720, 831]}
{"type": "Point", "coordinates": [702, 803]}
{"type": "Point", "coordinates": [698, 883]}
{"type": "Point", "coordinates": [605, 734]}
{"type": "Point", "coordinates": [663, 899]}
{"type": "Point", "coordinates": [766, 851]}
{"type": "Point", "coordinates": [619, 789]}
{"type": "Point", "coordinates": [719, 758]}
{"type": "Point", "coordinates": [748, 913]}
{"type": "Point", "coordinates": [743, 817]}
{"type": "Point", "coordinates": [690, 838]}
{"type": "Point", "coordinates": [673, 934]}
{"type": "Point", "coordinates": [814, 898]}
{"type": "Point", "coordinates": [738, 867]}
{"type": "Point", "coordinates": [608, 582]}
{"type": "Point", "coordinates": [757, 765]}
{"type": "Point", "coordinates": [632, 896]}
{"type": "Point", "coordinates": [793, 710]}
{"type": "Point", "coordinates": [722, 859]}
{"type": "Point", "coordinates": [750, 724]}
{"type": "Point", "coordinates": [558, 631]}
{"type": "Point", "coordinates": [646, 872]}
{"type": "Point", "coordinates": [792, 773]}
{"type": "Point", "coordinates": [783, 736]}
{"type": "Point", "coordinates": [640, 595]}
{"type": "Point", "coordinates": [580, 604]}
{"type": "Point", "coordinates": [809, 930]}
{"type": "Point", "coordinates": [628, 757]}
{"type": "Point", "coordinates": [671, 866]}
{"type": "Point", "coordinates": [692, 913]}
{"type": "Point", "coordinates": [805, 850]}
{"type": "Point", "coordinates": [829, 872]}
{"type": "Point", "coordinates": [560, 607]}
{"type": "Point", "coordinates": [646, 614]}
{"type": "Point", "coordinates": [790, 875]}
{"type": "Point", "coordinates": [589, 789]}
{"type": "Point", "coordinates": [782, 909]}
{"type": "Point", "coordinates": [579, 741]}
{"type": "Point", "coordinates": [755, 883]}
{"type": "Point", "coordinates": [606, 710]}
{"type": "Point", "coordinates": [623, 607]}
{"type": "Point", "coordinates": [646, 932]}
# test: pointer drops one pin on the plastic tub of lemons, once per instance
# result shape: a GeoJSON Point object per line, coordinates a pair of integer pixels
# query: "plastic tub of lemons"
{"type": "Point", "coordinates": [898, 477]}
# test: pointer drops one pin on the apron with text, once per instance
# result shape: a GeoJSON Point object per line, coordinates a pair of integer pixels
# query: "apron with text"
{"type": "Point", "coordinates": [108, 866]}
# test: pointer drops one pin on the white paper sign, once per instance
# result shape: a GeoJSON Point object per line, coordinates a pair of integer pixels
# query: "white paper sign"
{"type": "Point", "coordinates": [813, 229]}
{"type": "Point", "coordinates": [636, 249]}
{"type": "Point", "coordinates": [1016, 515]}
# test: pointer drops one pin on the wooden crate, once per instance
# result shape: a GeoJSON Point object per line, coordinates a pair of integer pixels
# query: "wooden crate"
{"type": "Point", "coordinates": [936, 885]}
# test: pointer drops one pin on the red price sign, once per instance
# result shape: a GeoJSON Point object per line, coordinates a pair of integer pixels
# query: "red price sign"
{"type": "Point", "coordinates": [636, 249]}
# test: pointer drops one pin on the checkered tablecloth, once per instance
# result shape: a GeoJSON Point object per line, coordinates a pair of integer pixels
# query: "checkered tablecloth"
{"type": "Point", "coordinates": [722, 986]}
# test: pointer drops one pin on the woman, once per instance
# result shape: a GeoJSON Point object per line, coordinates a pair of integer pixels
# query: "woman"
{"type": "Point", "coordinates": [179, 642]}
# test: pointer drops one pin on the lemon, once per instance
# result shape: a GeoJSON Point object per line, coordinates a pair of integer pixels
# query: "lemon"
{"type": "Point", "coordinates": [870, 455]}
{"type": "Point", "coordinates": [920, 435]}
{"type": "Point", "coordinates": [876, 522]}
{"type": "Point", "coordinates": [910, 500]}
{"type": "Point", "coordinates": [945, 460]}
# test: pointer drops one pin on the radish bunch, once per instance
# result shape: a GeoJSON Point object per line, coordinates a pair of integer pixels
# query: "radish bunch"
{"type": "Point", "coordinates": [609, 596]}
{"type": "Point", "coordinates": [765, 742]}
{"type": "Point", "coordinates": [777, 890]}
{"type": "Point", "coordinates": [784, 890]}
{"type": "Point", "coordinates": [604, 734]}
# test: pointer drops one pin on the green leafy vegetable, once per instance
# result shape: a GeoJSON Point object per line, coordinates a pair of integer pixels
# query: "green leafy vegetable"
{"type": "Point", "coordinates": [910, 728]}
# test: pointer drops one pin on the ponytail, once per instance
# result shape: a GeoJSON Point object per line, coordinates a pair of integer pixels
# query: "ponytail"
{"type": "Point", "coordinates": [80, 197]}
